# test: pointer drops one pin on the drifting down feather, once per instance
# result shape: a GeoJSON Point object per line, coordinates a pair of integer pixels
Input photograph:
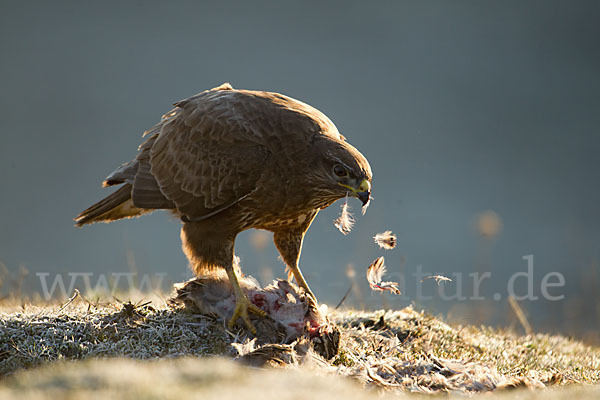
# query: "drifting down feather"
{"type": "Point", "coordinates": [438, 278]}
{"type": "Point", "coordinates": [385, 240]}
{"type": "Point", "coordinates": [345, 221]}
{"type": "Point", "coordinates": [374, 274]}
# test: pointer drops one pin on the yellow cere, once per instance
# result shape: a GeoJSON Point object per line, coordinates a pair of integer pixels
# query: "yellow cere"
{"type": "Point", "coordinates": [364, 186]}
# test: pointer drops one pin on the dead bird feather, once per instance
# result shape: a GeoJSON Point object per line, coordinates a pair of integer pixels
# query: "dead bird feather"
{"type": "Point", "coordinates": [438, 278]}
{"type": "Point", "coordinates": [345, 221]}
{"type": "Point", "coordinates": [386, 240]}
{"type": "Point", "coordinates": [375, 273]}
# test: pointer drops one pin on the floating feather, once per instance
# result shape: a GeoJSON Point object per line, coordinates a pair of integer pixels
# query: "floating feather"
{"type": "Point", "coordinates": [385, 240]}
{"type": "Point", "coordinates": [374, 274]}
{"type": "Point", "coordinates": [345, 221]}
{"type": "Point", "coordinates": [438, 278]}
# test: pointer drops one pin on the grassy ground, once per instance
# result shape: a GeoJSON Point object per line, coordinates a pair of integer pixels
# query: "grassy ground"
{"type": "Point", "coordinates": [214, 378]}
{"type": "Point", "coordinates": [394, 352]}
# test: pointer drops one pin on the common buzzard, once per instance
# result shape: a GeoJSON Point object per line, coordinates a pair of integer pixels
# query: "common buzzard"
{"type": "Point", "coordinates": [227, 160]}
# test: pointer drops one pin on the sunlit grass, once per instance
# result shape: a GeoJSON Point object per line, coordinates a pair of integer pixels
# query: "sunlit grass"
{"type": "Point", "coordinates": [403, 350]}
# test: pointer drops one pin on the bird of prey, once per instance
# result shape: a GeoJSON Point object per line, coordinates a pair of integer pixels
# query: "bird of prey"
{"type": "Point", "coordinates": [227, 160]}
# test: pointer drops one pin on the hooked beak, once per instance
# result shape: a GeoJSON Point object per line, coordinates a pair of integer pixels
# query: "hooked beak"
{"type": "Point", "coordinates": [364, 197]}
{"type": "Point", "coordinates": [363, 191]}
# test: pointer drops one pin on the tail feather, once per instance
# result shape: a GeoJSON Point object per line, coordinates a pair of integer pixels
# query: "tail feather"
{"type": "Point", "coordinates": [115, 206]}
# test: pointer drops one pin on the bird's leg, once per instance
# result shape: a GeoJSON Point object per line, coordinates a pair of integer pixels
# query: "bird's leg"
{"type": "Point", "coordinates": [301, 282]}
{"type": "Point", "coordinates": [207, 248]}
{"type": "Point", "coordinates": [289, 244]}
{"type": "Point", "coordinates": [242, 304]}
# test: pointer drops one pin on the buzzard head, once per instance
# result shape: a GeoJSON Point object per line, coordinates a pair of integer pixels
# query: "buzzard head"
{"type": "Point", "coordinates": [342, 171]}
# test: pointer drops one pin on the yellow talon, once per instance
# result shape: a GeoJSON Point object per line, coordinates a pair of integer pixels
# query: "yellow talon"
{"type": "Point", "coordinates": [242, 305]}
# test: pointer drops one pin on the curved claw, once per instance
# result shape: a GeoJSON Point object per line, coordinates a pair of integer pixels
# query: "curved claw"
{"type": "Point", "coordinates": [242, 306]}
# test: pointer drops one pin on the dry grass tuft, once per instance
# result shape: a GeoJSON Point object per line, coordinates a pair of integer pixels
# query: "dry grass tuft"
{"type": "Point", "coordinates": [38, 335]}
{"type": "Point", "coordinates": [410, 350]}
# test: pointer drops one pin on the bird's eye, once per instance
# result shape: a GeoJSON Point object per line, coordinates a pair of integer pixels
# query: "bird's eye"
{"type": "Point", "coordinates": [339, 171]}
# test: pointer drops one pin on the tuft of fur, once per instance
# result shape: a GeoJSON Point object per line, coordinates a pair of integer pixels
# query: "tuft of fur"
{"type": "Point", "coordinates": [115, 206]}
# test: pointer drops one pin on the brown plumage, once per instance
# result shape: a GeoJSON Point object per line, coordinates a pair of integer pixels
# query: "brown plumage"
{"type": "Point", "coordinates": [227, 160]}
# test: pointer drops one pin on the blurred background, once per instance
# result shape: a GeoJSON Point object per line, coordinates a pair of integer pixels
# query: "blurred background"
{"type": "Point", "coordinates": [480, 121]}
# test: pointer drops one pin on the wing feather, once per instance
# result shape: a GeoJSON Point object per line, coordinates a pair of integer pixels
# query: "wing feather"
{"type": "Point", "coordinates": [124, 174]}
{"type": "Point", "coordinates": [211, 150]}
{"type": "Point", "coordinates": [202, 161]}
